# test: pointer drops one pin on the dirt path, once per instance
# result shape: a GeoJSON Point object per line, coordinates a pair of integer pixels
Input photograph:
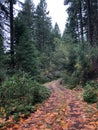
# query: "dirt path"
{"type": "Point", "coordinates": [64, 110]}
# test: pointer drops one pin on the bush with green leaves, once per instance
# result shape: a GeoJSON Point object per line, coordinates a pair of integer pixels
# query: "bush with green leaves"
{"type": "Point", "coordinates": [2, 75]}
{"type": "Point", "coordinates": [90, 94]}
{"type": "Point", "coordinates": [19, 93]}
{"type": "Point", "coordinates": [93, 84]}
{"type": "Point", "coordinates": [71, 80]}
{"type": "Point", "coordinates": [80, 63]}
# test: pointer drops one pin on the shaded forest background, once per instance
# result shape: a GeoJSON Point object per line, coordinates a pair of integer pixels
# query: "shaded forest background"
{"type": "Point", "coordinates": [33, 52]}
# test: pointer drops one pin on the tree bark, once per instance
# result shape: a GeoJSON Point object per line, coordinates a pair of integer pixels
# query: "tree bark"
{"type": "Point", "coordinates": [90, 32]}
{"type": "Point", "coordinates": [11, 36]}
{"type": "Point", "coordinates": [81, 20]}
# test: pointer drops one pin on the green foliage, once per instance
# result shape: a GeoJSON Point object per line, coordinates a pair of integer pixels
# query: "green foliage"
{"type": "Point", "coordinates": [59, 58]}
{"type": "Point", "coordinates": [44, 69]}
{"type": "Point", "coordinates": [77, 23]}
{"type": "Point", "coordinates": [43, 27]}
{"type": "Point", "coordinates": [26, 53]}
{"type": "Point", "coordinates": [56, 31]}
{"type": "Point", "coordinates": [19, 93]}
{"type": "Point", "coordinates": [80, 63]}
{"type": "Point", "coordinates": [2, 61]}
{"type": "Point", "coordinates": [2, 75]}
{"type": "Point", "coordinates": [93, 84]}
{"type": "Point", "coordinates": [27, 58]}
{"type": "Point", "coordinates": [1, 52]}
{"type": "Point", "coordinates": [71, 80]}
{"type": "Point", "coordinates": [90, 94]}
{"type": "Point", "coordinates": [84, 61]}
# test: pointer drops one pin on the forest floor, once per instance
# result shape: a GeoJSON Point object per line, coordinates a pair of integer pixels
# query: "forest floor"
{"type": "Point", "coordinates": [64, 110]}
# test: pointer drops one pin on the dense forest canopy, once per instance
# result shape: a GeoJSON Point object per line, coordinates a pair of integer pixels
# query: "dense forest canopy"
{"type": "Point", "coordinates": [82, 20]}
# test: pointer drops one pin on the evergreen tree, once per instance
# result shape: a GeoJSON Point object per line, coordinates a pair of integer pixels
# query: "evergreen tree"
{"type": "Point", "coordinates": [3, 18]}
{"type": "Point", "coordinates": [43, 26]}
{"type": "Point", "coordinates": [56, 31]}
{"type": "Point", "coordinates": [83, 21]}
{"type": "Point", "coordinates": [28, 15]}
{"type": "Point", "coordinates": [26, 54]}
{"type": "Point", "coordinates": [1, 52]}
{"type": "Point", "coordinates": [12, 64]}
{"type": "Point", "coordinates": [72, 26]}
{"type": "Point", "coordinates": [7, 8]}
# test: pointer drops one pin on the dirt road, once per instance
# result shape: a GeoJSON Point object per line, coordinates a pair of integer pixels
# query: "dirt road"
{"type": "Point", "coordinates": [64, 110]}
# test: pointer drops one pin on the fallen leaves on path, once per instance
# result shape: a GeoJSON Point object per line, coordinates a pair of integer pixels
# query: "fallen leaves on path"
{"type": "Point", "coordinates": [64, 110]}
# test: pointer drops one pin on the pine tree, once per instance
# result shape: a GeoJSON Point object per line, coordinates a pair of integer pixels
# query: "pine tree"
{"type": "Point", "coordinates": [26, 54]}
{"type": "Point", "coordinates": [1, 52]}
{"type": "Point", "coordinates": [3, 17]}
{"type": "Point", "coordinates": [56, 31]}
{"type": "Point", "coordinates": [72, 25]}
{"type": "Point", "coordinates": [12, 64]}
{"type": "Point", "coordinates": [43, 26]}
{"type": "Point", "coordinates": [7, 8]}
{"type": "Point", "coordinates": [83, 21]}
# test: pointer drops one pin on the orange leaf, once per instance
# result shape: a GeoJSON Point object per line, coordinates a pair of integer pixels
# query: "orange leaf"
{"type": "Point", "coordinates": [91, 127]}
{"type": "Point", "coordinates": [21, 120]}
{"type": "Point", "coordinates": [1, 120]}
{"type": "Point", "coordinates": [16, 126]}
{"type": "Point", "coordinates": [97, 123]}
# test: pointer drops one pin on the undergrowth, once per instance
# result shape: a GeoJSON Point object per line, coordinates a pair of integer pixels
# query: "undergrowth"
{"type": "Point", "coordinates": [90, 94]}
{"type": "Point", "coordinates": [19, 94]}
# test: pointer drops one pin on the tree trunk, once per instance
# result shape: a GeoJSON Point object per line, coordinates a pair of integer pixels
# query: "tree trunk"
{"type": "Point", "coordinates": [90, 32]}
{"type": "Point", "coordinates": [78, 33]}
{"type": "Point", "coordinates": [81, 20]}
{"type": "Point", "coordinates": [11, 36]}
{"type": "Point", "coordinates": [96, 22]}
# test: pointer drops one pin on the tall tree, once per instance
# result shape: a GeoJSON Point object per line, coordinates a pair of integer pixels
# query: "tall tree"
{"type": "Point", "coordinates": [4, 14]}
{"type": "Point", "coordinates": [28, 15]}
{"type": "Point", "coordinates": [26, 53]}
{"type": "Point", "coordinates": [56, 31]}
{"type": "Point", "coordinates": [43, 26]}
{"type": "Point", "coordinates": [1, 51]}
{"type": "Point", "coordinates": [11, 35]}
{"type": "Point", "coordinates": [7, 8]}
{"type": "Point", "coordinates": [90, 31]}
{"type": "Point", "coordinates": [83, 21]}
{"type": "Point", "coordinates": [72, 25]}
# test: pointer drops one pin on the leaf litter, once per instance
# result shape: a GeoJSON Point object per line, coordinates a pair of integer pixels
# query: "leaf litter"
{"type": "Point", "coordinates": [64, 110]}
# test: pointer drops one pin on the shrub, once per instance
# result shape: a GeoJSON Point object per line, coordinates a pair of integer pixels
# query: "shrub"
{"type": "Point", "coordinates": [2, 75]}
{"type": "Point", "coordinates": [93, 84]}
{"type": "Point", "coordinates": [89, 94]}
{"type": "Point", "coordinates": [72, 80]}
{"type": "Point", "coordinates": [19, 93]}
